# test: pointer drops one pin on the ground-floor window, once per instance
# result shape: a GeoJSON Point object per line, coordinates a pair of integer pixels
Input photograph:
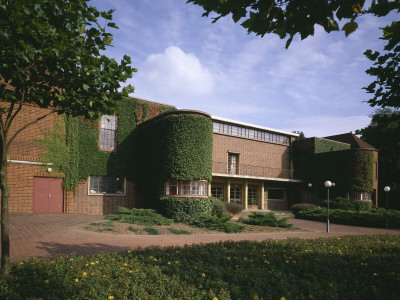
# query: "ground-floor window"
{"type": "Point", "coordinates": [106, 185]}
{"type": "Point", "coordinates": [359, 196]}
{"type": "Point", "coordinates": [217, 191]}
{"type": "Point", "coordinates": [276, 194]}
{"type": "Point", "coordinates": [236, 193]}
{"type": "Point", "coordinates": [252, 195]}
{"type": "Point", "coordinates": [186, 188]}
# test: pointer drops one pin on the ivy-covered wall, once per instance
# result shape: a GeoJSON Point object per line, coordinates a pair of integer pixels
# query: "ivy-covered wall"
{"type": "Point", "coordinates": [75, 150]}
{"type": "Point", "coordinates": [175, 145]}
{"type": "Point", "coordinates": [351, 170]}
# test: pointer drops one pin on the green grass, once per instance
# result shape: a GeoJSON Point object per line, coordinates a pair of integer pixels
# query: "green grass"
{"type": "Point", "coordinates": [178, 231]}
{"type": "Point", "coordinates": [352, 267]}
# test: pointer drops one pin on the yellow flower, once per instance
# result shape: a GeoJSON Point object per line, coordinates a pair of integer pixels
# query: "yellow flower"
{"type": "Point", "coordinates": [375, 274]}
{"type": "Point", "coordinates": [92, 263]}
{"type": "Point", "coordinates": [283, 298]}
{"type": "Point", "coordinates": [203, 275]}
{"type": "Point", "coordinates": [129, 251]}
{"type": "Point", "coordinates": [84, 274]}
{"type": "Point", "coordinates": [215, 298]}
{"type": "Point", "coordinates": [76, 279]}
{"type": "Point", "coordinates": [21, 263]}
{"type": "Point", "coordinates": [46, 281]}
{"type": "Point", "coordinates": [228, 258]}
{"type": "Point", "coordinates": [110, 297]}
{"type": "Point", "coordinates": [169, 262]}
{"type": "Point", "coordinates": [177, 262]}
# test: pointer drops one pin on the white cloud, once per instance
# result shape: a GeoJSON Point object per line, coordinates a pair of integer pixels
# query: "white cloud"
{"type": "Point", "coordinates": [174, 73]}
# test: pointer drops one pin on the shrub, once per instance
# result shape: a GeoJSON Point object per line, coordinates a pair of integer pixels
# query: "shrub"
{"type": "Point", "coordinates": [178, 231]}
{"type": "Point", "coordinates": [266, 219]}
{"type": "Point", "coordinates": [218, 208]}
{"type": "Point", "coordinates": [338, 203]}
{"type": "Point", "coordinates": [215, 223]}
{"type": "Point", "coordinates": [146, 217]}
{"type": "Point", "coordinates": [151, 230]}
{"type": "Point", "coordinates": [135, 230]}
{"type": "Point", "coordinates": [185, 210]}
{"type": "Point", "coordinates": [362, 205]}
{"type": "Point", "coordinates": [301, 206]}
{"type": "Point", "coordinates": [376, 218]}
{"type": "Point", "coordinates": [233, 208]}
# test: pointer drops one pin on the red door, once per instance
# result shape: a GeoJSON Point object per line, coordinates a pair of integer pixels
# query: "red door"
{"type": "Point", "coordinates": [47, 195]}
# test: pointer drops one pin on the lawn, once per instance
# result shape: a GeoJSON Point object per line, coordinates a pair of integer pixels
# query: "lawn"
{"type": "Point", "coordinates": [351, 267]}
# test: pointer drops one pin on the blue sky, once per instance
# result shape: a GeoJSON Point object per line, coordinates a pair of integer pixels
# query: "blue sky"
{"type": "Point", "coordinates": [184, 60]}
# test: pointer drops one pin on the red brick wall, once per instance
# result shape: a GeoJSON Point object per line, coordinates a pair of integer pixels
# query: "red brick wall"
{"type": "Point", "coordinates": [20, 184]}
{"type": "Point", "coordinates": [253, 153]}
{"type": "Point", "coordinates": [83, 203]}
{"type": "Point", "coordinates": [25, 146]}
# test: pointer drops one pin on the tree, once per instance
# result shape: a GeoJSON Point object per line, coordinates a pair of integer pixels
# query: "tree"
{"type": "Point", "coordinates": [50, 56]}
{"type": "Point", "coordinates": [288, 18]}
{"type": "Point", "coordinates": [384, 134]}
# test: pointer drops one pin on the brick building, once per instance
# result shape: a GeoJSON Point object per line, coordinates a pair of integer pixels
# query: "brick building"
{"type": "Point", "coordinates": [251, 165]}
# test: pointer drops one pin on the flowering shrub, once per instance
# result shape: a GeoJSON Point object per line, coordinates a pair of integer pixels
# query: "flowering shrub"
{"type": "Point", "coordinates": [273, 269]}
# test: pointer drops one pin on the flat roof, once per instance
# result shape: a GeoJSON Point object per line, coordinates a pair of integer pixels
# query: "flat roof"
{"type": "Point", "coordinates": [253, 126]}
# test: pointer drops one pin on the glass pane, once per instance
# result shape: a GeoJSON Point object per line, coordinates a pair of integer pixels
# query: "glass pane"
{"type": "Point", "coordinates": [277, 194]}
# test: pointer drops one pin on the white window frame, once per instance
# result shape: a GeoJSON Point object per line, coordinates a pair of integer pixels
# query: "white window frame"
{"type": "Point", "coordinates": [108, 124]}
{"type": "Point", "coordinates": [192, 188]}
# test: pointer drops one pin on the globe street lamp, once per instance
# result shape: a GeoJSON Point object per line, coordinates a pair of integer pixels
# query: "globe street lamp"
{"type": "Point", "coordinates": [387, 190]}
{"type": "Point", "coordinates": [328, 184]}
{"type": "Point", "coordinates": [309, 185]}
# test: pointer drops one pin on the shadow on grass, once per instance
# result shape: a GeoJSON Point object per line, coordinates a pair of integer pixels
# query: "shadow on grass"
{"type": "Point", "coordinates": [54, 249]}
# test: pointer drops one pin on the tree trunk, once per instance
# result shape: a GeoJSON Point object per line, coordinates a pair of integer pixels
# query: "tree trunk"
{"type": "Point", "coordinates": [5, 194]}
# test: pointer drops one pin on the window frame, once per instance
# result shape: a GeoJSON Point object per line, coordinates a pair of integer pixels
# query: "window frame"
{"type": "Point", "coordinates": [190, 188]}
{"type": "Point", "coordinates": [238, 190]}
{"type": "Point", "coordinates": [231, 164]}
{"type": "Point", "coordinates": [104, 193]}
{"type": "Point", "coordinates": [107, 130]}
{"type": "Point", "coordinates": [252, 190]}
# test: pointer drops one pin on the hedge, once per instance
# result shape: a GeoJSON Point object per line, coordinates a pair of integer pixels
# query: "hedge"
{"type": "Point", "coordinates": [185, 209]}
{"type": "Point", "coordinates": [375, 218]}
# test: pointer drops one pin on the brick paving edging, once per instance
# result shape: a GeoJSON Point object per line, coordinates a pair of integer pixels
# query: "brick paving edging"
{"type": "Point", "coordinates": [49, 235]}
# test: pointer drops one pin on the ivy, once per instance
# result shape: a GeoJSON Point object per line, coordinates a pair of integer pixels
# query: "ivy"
{"type": "Point", "coordinates": [75, 150]}
{"type": "Point", "coordinates": [323, 145]}
{"type": "Point", "coordinates": [175, 145]}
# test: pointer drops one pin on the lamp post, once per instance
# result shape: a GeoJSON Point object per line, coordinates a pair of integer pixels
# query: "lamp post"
{"type": "Point", "coordinates": [387, 190]}
{"type": "Point", "coordinates": [328, 184]}
{"type": "Point", "coordinates": [309, 185]}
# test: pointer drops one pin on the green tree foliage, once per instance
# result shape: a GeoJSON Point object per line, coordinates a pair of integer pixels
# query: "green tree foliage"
{"type": "Point", "coordinates": [50, 56]}
{"type": "Point", "coordinates": [288, 18]}
{"type": "Point", "coordinates": [384, 134]}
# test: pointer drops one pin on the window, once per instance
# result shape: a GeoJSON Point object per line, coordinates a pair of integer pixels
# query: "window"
{"type": "Point", "coordinates": [217, 191]}
{"type": "Point", "coordinates": [276, 194]}
{"type": "Point", "coordinates": [252, 198]}
{"type": "Point", "coordinates": [236, 193]}
{"type": "Point", "coordinates": [366, 196]}
{"type": "Point", "coordinates": [108, 132]}
{"type": "Point", "coordinates": [106, 185]}
{"type": "Point", "coordinates": [248, 133]}
{"type": "Point", "coordinates": [232, 163]}
{"type": "Point", "coordinates": [186, 188]}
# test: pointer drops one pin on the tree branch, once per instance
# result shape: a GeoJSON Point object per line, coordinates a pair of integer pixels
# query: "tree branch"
{"type": "Point", "coordinates": [27, 125]}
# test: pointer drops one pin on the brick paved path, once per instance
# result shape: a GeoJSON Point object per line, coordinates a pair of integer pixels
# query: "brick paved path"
{"type": "Point", "coordinates": [48, 235]}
